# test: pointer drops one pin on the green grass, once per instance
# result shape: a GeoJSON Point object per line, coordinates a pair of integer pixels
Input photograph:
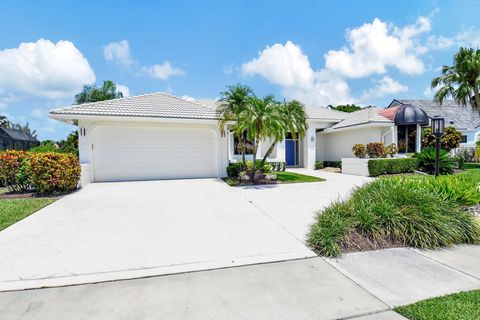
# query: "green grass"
{"type": "Point", "coordinates": [282, 177]}
{"type": "Point", "coordinates": [291, 177]}
{"type": "Point", "coordinates": [421, 213]}
{"type": "Point", "coordinates": [459, 306]}
{"type": "Point", "coordinates": [14, 210]}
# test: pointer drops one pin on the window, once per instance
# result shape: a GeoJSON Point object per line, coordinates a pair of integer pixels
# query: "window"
{"type": "Point", "coordinates": [406, 138]}
{"type": "Point", "coordinates": [464, 139]}
{"type": "Point", "coordinates": [237, 145]}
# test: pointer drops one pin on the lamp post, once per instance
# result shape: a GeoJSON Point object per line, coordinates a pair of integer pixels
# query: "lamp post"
{"type": "Point", "coordinates": [438, 126]}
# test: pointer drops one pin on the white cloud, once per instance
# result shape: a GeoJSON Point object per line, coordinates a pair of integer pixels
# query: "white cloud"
{"type": "Point", "coordinates": [44, 69]}
{"type": "Point", "coordinates": [383, 87]}
{"type": "Point", "coordinates": [189, 98]}
{"type": "Point", "coordinates": [465, 38]}
{"type": "Point", "coordinates": [373, 47]}
{"type": "Point", "coordinates": [119, 53]}
{"type": "Point", "coordinates": [287, 66]}
{"type": "Point", "coordinates": [38, 113]}
{"type": "Point", "coordinates": [162, 71]}
{"type": "Point", "coordinates": [123, 89]}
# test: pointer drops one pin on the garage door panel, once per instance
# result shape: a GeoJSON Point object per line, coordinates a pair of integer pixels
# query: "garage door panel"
{"type": "Point", "coordinates": [146, 153]}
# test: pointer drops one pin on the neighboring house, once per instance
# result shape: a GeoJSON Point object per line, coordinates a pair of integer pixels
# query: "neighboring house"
{"type": "Point", "coordinates": [464, 119]}
{"type": "Point", "coordinates": [160, 136]}
{"type": "Point", "coordinates": [11, 139]}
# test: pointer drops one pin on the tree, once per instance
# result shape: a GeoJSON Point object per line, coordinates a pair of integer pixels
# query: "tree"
{"type": "Point", "coordinates": [70, 144]}
{"type": "Point", "coordinates": [24, 128]}
{"type": "Point", "coordinates": [293, 119]}
{"type": "Point", "coordinates": [4, 122]}
{"type": "Point", "coordinates": [233, 102]}
{"type": "Point", "coordinates": [461, 80]}
{"type": "Point", "coordinates": [346, 108]}
{"type": "Point", "coordinates": [450, 139]}
{"type": "Point", "coordinates": [92, 93]}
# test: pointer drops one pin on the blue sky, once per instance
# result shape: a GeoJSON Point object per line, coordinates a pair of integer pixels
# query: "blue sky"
{"type": "Point", "coordinates": [319, 52]}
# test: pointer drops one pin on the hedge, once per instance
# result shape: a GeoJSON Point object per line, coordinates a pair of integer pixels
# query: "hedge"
{"type": "Point", "coordinates": [48, 172]}
{"type": "Point", "coordinates": [378, 167]}
{"type": "Point", "coordinates": [332, 164]}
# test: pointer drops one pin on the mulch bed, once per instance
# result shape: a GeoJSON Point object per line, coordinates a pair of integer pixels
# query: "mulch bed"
{"type": "Point", "coordinates": [16, 195]}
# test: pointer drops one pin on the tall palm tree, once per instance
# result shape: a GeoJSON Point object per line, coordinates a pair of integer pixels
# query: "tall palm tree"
{"type": "Point", "coordinates": [260, 120]}
{"type": "Point", "coordinates": [294, 120]}
{"type": "Point", "coordinates": [92, 93]}
{"type": "Point", "coordinates": [461, 80]}
{"type": "Point", "coordinates": [233, 102]}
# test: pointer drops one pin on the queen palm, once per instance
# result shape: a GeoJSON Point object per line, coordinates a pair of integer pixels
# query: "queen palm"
{"type": "Point", "coordinates": [234, 101]}
{"type": "Point", "coordinates": [294, 120]}
{"type": "Point", "coordinates": [461, 80]}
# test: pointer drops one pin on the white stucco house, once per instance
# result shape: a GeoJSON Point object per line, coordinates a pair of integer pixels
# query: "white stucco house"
{"type": "Point", "coordinates": [160, 136]}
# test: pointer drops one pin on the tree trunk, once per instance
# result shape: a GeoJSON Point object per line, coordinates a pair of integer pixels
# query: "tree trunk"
{"type": "Point", "coordinates": [255, 149]}
{"type": "Point", "coordinates": [243, 153]}
{"type": "Point", "coordinates": [269, 151]}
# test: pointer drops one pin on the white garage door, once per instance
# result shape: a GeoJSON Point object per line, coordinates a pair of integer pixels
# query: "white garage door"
{"type": "Point", "coordinates": [147, 153]}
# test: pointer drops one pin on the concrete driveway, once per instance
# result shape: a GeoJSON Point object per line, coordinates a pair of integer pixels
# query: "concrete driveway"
{"type": "Point", "coordinates": [111, 231]}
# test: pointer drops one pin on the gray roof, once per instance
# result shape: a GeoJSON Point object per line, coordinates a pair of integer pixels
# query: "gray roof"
{"type": "Point", "coordinates": [156, 105]}
{"type": "Point", "coordinates": [364, 116]}
{"type": "Point", "coordinates": [18, 134]}
{"type": "Point", "coordinates": [463, 118]}
{"type": "Point", "coordinates": [164, 105]}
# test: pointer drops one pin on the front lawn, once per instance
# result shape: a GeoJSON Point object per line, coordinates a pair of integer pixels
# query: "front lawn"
{"type": "Point", "coordinates": [459, 306]}
{"type": "Point", "coordinates": [14, 210]}
{"type": "Point", "coordinates": [283, 177]}
{"type": "Point", "coordinates": [400, 211]}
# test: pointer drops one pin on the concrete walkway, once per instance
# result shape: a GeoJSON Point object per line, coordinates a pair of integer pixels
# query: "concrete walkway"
{"type": "Point", "coordinates": [362, 286]}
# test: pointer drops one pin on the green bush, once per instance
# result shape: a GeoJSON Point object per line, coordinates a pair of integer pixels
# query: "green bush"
{"type": "Point", "coordinates": [451, 138]}
{"type": "Point", "coordinates": [426, 161]}
{"type": "Point", "coordinates": [332, 164]}
{"type": "Point", "coordinates": [378, 167]}
{"type": "Point", "coordinates": [391, 150]}
{"type": "Point", "coordinates": [43, 172]}
{"type": "Point", "coordinates": [234, 169]}
{"type": "Point", "coordinates": [392, 211]}
{"type": "Point", "coordinates": [278, 166]}
{"type": "Point", "coordinates": [267, 168]}
{"type": "Point", "coordinates": [318, 165]}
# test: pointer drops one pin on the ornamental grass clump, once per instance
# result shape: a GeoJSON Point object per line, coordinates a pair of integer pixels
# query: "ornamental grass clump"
{"type": "Point", "coordinates": [392, 212]}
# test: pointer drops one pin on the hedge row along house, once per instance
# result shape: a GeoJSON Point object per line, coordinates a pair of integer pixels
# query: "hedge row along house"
{"type": "Point", "coordinates": [160, 136]}
{"type": "Point", "coordinates": [11, 139]}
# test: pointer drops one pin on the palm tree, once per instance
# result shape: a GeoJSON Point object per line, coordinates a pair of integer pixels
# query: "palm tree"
{"type": "Point", "coordinates": [234, 101]}
{"type": "Point", "coordinates": [92, 93]}
{"type": "Point", "coordinates": [461, 80]}
{"type": "Point", "coordinates": [294, 120]}
{"type": "Point", "coordinates": [260, 120]}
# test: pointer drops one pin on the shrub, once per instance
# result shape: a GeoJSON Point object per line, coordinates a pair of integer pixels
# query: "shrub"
{"type": "Point", "coordinates": [426, 161]}
{"type": "Point", "coordinates": [451, 138]}
{"type": "Point", "coordinates": [461, 188]}
{"type": "Point", "coordinates": [267, 168]}
{"type": "Point", "coordinates": [234, 169]}
{"type": "Point", "coordinates": [332, 164]}
{"type": "Point", "coordinates": [42, 172]}
{"type": "Point", "coordinates": [376, 150]}
{"type": "Point", "coordinates": [318, 165]}
{"type": "Point", "coordinates": [278, 166]}
{"type": "Point", "coordinates": [378, 167]}
{"type": "Point", "coordinates": [477, 150]}
{"type": "Point", "coordinates": [46, 146]}
{"type": "Point", "coordinates": [391, 150]}
{"type": "Point", "coordinates": [359, 150]}
{"type": "Point", "coordinates": [11, 174]}
{"type": "Point", "coordinates": [392, 212]}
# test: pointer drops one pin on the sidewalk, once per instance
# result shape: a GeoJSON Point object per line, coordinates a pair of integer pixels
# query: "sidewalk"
{"type": "Point", "coordinates": [363, 286]}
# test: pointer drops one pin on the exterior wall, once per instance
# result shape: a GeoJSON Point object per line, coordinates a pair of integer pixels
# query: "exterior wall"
{"type": "Point", "coordinates": [277, 155]}
{"type": "Point", "coordinates": [472, 137]}
{"type": "Point", "coordinates": [86, 141]}
{"type": "Point", "coordinates": [338, 144]}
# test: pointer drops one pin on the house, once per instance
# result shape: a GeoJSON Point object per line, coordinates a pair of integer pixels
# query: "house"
{"type": "Point", "coordinates": [11, 139]}
{"type": "Point", "coordinates": [462, 118]}
{"type": "Point", "coordinates": [160, 136]}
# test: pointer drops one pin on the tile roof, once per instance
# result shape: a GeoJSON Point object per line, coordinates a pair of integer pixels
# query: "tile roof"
{"type": "Point", "coordinates": [364, 116]}
{"type": "Point", "coordinates": [156, 105]}
{"type": "Point", "coordinates": [164, 105]}
{"type": "Point", "coordinates": [463, 118]}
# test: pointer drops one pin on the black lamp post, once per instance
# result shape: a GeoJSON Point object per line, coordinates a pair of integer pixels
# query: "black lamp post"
{"type": "Point", "coordinates": [438, 127]}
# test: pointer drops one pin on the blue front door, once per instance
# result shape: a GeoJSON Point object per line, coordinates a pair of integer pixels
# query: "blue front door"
{"type": "Point", "coordinates": [290, 152]}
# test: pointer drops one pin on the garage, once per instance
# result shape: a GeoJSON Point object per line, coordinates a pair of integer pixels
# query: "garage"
{"type": "Point", "coordinates": [122, 153]}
